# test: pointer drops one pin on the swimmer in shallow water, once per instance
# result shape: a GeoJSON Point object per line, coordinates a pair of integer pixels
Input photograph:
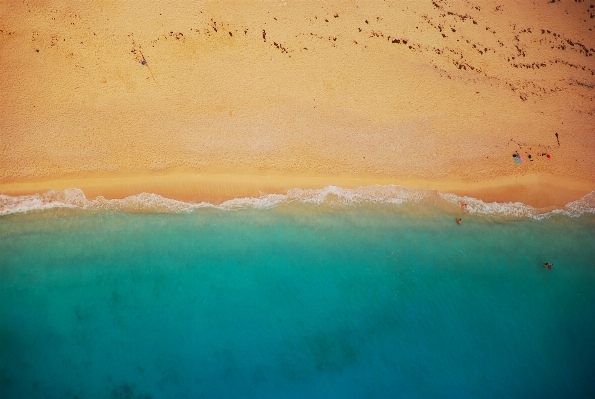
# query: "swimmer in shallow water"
{"type": "Point", "coordinates": [459, 221]}
{"type": "Point", "coordinates": [463, 207]}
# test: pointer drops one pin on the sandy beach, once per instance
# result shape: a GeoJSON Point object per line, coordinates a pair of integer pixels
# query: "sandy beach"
{"type": "Point", "coordinates": [210, 101]}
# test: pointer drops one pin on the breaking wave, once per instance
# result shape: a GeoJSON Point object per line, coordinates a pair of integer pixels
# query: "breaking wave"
{"type": "Point", "coordinates": [330, 195]}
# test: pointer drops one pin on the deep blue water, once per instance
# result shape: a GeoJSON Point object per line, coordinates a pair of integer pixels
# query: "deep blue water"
{"type": "Point", "coordinates": [299, 301]}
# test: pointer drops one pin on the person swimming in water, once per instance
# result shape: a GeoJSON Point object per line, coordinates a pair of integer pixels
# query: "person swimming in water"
{"type": "Point", "coordinates": [459, 221]}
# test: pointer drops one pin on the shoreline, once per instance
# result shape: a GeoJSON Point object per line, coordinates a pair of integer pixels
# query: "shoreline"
{"type": "Point", "coordinates": [538, 191]}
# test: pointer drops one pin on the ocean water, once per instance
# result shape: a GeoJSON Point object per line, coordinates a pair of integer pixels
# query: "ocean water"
{"type": "Point", "coordinates": [316, 294]}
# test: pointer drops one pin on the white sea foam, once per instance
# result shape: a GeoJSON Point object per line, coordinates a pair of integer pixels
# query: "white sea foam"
{"type": "Point", "coordinates": [330, 195]}
{"type": "Point", "coordinates": [582, 206]}
{"type": "Point", "coordinates": [503, 209]}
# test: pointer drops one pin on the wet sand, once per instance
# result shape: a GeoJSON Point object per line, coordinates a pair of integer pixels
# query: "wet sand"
{"type": "Point", "coordinates": [217, 187]}
{"type": "Point", "coordinates": [209, 102]}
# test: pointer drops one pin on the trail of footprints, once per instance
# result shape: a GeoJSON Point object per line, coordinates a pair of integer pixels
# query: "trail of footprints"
{"type": "Point", "coordinates": [442, 34]}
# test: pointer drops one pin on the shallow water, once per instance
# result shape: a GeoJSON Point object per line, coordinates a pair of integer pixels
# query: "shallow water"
{"type": "Point", "coordinates": [299, 301]}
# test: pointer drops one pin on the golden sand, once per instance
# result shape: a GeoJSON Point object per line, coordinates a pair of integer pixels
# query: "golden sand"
{"type": "Point", "coordinates": [240, 98]}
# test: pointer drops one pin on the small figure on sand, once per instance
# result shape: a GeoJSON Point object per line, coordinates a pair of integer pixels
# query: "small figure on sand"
{"type": "Point", "coordinates": [459, 221]}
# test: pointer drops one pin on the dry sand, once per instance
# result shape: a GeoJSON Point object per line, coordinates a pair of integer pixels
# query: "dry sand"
{"type": "Point", "coordinates": [248, 97]}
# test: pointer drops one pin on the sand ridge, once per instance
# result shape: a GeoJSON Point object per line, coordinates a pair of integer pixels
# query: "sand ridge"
{"type": "Point", "coordinates": [430, 90]}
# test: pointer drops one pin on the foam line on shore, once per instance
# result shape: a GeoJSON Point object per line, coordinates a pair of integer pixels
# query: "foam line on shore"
{"type": "Point", "coordinates": [329, 195]}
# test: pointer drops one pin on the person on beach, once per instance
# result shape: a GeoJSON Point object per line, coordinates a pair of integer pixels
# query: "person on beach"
{"type": "Point", "coordinates": [459, 221]}
{"type": "Point", "coordinates": [463, 206]}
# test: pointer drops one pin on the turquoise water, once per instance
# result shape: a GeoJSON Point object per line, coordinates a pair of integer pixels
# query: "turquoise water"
{"type": "Point", "coordinates": [298, 301]}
